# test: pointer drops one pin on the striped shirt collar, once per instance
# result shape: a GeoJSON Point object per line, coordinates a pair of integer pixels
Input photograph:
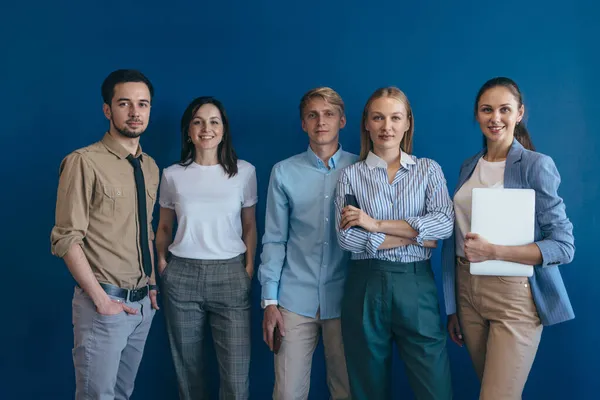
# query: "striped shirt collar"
{"type": "Point", "coordinates": [374, 161]}
{"type": "Point", "coordinates": [316, 161]}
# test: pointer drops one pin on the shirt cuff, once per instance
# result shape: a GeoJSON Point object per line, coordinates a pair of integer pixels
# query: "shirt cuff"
{"type": "Point", "coordinates": [265, 303]}
{"type": "Point", "coordinates": [270, 291]}
{"type": "Point", "coordinates": [548, 258]}
{"type": "Point", "coordinates": [62, 246]}
{"type": "Point", "coordinates": [414, 222]}
{"type": "Point", "coordinates": [374, 240]}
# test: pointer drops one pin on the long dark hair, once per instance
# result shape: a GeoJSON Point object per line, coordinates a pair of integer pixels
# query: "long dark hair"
{"type": "Point", "coordinates": [521, 132]}
{"type": "Point", "coordinates": [225, 152]}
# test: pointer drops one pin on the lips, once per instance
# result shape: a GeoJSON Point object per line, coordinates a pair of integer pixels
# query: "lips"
{"type": "Point", "coordinates": [495, 129]}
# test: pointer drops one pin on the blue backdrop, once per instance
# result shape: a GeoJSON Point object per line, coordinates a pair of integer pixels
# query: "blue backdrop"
{"type": "Point", "coordinates": [259, 57]}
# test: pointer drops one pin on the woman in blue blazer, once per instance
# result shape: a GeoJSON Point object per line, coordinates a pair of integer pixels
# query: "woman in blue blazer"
{"type": "Point", "coordinates": [501, 318]}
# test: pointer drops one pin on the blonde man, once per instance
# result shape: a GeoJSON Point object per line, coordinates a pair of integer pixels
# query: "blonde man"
{"type": "Point", "coordinates": [302, 272]}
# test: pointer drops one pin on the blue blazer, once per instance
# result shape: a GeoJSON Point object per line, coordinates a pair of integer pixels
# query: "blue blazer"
{"type": "Point", "coordinates": [553, 232]}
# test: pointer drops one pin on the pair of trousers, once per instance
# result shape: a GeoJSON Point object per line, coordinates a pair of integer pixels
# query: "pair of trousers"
{"type": "Point", "coordinates": [293, 362]}
{"type": "Point", "coordinates": [501, 328]}
{"type": "Point", "coordinates": [108, 348]}
{"type": "Point", "coordinates": [386, 302]}
{"type": "Point", "coordinates": [202, 293]}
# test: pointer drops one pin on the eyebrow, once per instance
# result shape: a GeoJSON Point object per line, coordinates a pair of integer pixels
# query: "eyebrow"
{"type": "Point", "coordinates": [127, 99]}
{"type": "Point", "coordinates": [501, 105]}
{"type": "Point", "coordinates": [213, 117]}
{"type": "Point", "coordinates": [395, 113]}
{"type": "Point", "coordinates": [325, 110]}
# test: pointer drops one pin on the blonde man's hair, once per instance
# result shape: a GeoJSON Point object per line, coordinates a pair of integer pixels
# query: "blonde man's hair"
{"type": "Point", "coordinates": [366, 144]}
{"type": "Point", "coordinates": [325, 93]}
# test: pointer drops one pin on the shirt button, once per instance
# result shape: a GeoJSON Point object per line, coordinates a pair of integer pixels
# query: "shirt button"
{"type": "Point", "coordinates": [326, 219]}
{"type": "Point", "coordinates": [526, 285]}
{"type": "Point", "coordinates": [325, 243]}
{"type": "Point", "coordinates": [118, 193]}
{"type": "Point", "coordinates": [326, 196]}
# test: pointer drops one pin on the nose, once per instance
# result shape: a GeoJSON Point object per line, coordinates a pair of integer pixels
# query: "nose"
{"type": "Point", "coordinates": [134, 111]}
{"type": "Point", "coordinates": [320, 120]}
{"type": "Point", "coordinates": [495, 116]}
{"type": "Point", "coordinates": [387, 124]}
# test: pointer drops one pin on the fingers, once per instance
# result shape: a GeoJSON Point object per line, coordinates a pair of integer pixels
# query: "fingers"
{"type": "Point", "coordinates": [128, 310]}
{"type": "Point", "coordinates": [280, 324]}
{"type": "Point", "coordinates": [349, 221]}
{"type": "Point", "coordinates": [454, 330]}
{"type": "Point", "coordinates": [471, 235]}
{"type": "Point", "coordinates": [269, 331]}
{"type": "Point", "coordinates": [456, 335]}
{"type": "Point", "coordinates": [153, 300]}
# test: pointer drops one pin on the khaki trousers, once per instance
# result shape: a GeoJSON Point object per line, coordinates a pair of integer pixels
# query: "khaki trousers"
{"type": "Point", "coordinates": [501, 328]}
{"type": "Point", "coordinates": [293, 362]}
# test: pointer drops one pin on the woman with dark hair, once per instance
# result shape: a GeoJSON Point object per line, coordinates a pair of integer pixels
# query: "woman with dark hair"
{"type": "Point", "coordinates": [500, 318]}
{"type": "Point", "coordinates": [207, 268]}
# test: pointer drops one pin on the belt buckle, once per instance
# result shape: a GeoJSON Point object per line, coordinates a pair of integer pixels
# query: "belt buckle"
{"type": "Point", "coordinates": [128, 295]}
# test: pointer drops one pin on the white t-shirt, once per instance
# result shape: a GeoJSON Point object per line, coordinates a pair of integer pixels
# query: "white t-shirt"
{"type": "Point", "coordinates": [486, 175]}
{"type": "Point", "coordinates": [208, 205]}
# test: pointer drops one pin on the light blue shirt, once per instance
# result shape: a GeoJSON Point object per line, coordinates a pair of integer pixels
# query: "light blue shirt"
{"type": "Point", "coordinates": [302, 265]}
{"type": "Point", "coordinates": [418, 195]}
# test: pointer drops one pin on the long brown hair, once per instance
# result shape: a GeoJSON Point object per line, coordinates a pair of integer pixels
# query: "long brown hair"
{"type": "Point", "coordinates": [521, 132]}
{"type": "Point", "coordinates": [366, 144]}
{"type": "Point", "coordinates": [225, 153]}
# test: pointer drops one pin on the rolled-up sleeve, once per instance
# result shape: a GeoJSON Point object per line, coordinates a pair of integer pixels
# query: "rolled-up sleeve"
{"type": "Point", "coordinates": [438, 221]}
{"type": "Point", "coordinates": [355, 239]}
{"type": "Point", "coordinates": [557, 244]}
{"type": "Point", "coordinates": [72, 204]}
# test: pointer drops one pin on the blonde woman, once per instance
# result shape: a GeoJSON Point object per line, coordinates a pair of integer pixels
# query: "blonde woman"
{"type": "Point", "coordinates": [400, 208]}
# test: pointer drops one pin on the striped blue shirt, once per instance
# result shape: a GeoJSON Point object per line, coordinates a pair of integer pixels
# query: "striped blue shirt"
{"type": "Point", "coordinates": [417, 195]}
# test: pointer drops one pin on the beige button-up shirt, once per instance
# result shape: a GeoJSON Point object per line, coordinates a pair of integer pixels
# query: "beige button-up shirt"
{"type": "Point", "coordinates": [96, 208]}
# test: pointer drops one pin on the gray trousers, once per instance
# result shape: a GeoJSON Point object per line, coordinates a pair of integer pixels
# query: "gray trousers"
{"type": "Point", "coordinates": [108, 348]}
{"type": "Point", "coordinates": [197, 292]}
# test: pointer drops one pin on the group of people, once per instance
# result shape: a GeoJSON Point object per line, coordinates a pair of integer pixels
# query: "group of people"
{"type": "Point", "coordinates": [345, 253]}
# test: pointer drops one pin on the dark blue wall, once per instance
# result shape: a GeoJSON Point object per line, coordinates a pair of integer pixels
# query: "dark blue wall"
{"type": "Point", "coordinates": [259, 57]}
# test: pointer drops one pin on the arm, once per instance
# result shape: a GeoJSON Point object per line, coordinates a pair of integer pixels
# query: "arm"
{"type": "Point", "coordinates": [275, 238]}
{"type": "Point", "coordinates": [249, 236]}
{"type": "Point", "coordinates": [164, 233]}
{"type": "Point", "coordinates": [164, 236]}
{"type": "Point", "coordinates": [358, 232]}
{"type": "Point", "coordinates": [249, 220]}
{"type": "Point", "coordinates": [557, 243]}
{"type": "Point", "coordinates": [478, 249]}
{"type": "Point", "coordinates": [72, 219]}
{"type": "Point", "coordinates": [273, 255]}
{"type": "Point", "coordinates": [438, 222]}
{"type": "Point", "coordinates": [353, 238]}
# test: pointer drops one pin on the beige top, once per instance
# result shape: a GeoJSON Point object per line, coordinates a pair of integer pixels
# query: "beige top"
{"type": "Point", "coordinates": [96, 207]}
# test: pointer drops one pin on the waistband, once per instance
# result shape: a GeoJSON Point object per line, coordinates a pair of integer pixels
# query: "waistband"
{"type": "Point", "coordinates": [392, 266]}
{"type": "Point", "coordinates": [192, 261]}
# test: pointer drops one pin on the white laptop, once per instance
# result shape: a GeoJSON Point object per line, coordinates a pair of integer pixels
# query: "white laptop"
{"type": "Point", "coordinates": [505, 217]}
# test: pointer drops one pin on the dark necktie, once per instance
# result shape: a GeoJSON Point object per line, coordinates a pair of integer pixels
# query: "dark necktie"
{"type": "Point", "coordinates": [142, 213]}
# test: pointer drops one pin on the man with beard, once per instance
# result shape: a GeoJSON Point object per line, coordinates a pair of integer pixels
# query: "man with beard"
{"type": "Point", "coordinates": [103, 231]}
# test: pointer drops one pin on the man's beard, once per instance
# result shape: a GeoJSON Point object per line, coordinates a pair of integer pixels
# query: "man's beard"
{"type": "Point", "coordinates": [124, 131]}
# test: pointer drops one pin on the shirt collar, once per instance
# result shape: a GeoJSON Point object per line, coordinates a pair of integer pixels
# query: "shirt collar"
{"type": "Point", "coordinates": [317, 162]}
{"type": "Point", "coordinates": [115, 147]}
{"type": "Point", "coordinates": [374, 161]}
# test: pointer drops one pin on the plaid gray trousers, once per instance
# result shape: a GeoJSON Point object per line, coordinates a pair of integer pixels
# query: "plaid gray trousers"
{"type": "Point", "coordinates": [217, 292]}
